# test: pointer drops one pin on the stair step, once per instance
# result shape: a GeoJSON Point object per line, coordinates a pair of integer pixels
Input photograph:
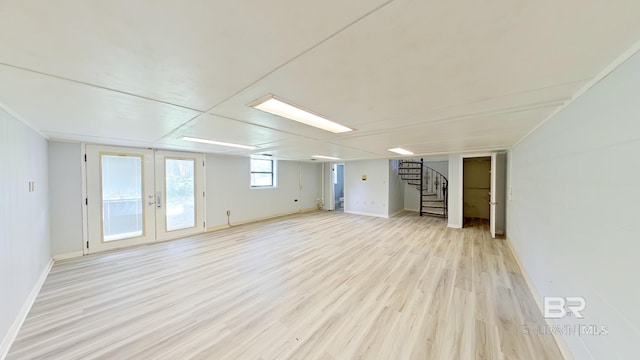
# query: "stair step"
{"type": "Point", "coordinates": [433, 212]}
{"type": "Point", "coordinates": [433, 206]}
{"type": "Point", "coordinates": [429, 194]}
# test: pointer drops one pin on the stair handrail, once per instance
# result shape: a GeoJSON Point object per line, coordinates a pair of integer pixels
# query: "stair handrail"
{"type": "Point", "coordinates": [446, 181]}
{"type": "Point", "coordinates": [442, 193]}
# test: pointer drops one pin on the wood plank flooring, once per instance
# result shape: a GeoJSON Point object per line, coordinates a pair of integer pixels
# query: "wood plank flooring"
{"type": "Point", "coordinates": [313, 286]}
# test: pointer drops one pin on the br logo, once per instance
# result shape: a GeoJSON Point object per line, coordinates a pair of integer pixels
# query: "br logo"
{"type": "Point", "coordinates": [556, 307]}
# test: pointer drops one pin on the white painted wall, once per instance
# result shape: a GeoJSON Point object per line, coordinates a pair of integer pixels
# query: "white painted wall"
{"type": "Point", "coordinates": [65, 198]}
{"type": "Point", "coordinates": [396, 189]}
{"type": "Point", "coordinates": [412, 194]}
{"type": "Point", "coordinates": [574, 209]}
{"type": "Point", "coordinates": [455, 195]}
{"type": "Point", "coordinates": [371, 196]}
{"type": "Point", "coordinates": [24, 220]}
{"type": "Point", "coordinates": [228, 188]}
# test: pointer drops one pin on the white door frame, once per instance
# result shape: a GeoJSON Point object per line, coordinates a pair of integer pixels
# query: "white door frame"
{"type": "Point", "coordinates": [329, 201]}
{"type": "Point", "coordinates": [92, 221]}
{"type": "Point", "coordinates": [461, 189]}
{"type": "Point", "coordinates": [93, 168]}
{"type": "Point", "coordinates": [492, 196]}
{"type": "Point", "coordinates": [160, 190]}
{"type": "Point", "coordinates": [495, 197]}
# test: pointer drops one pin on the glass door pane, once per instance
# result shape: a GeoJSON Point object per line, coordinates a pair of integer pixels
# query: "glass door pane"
{"type": "Point", "coordinates": [122, 197]}
{"type": "Point", "coordinates": [180, 193]}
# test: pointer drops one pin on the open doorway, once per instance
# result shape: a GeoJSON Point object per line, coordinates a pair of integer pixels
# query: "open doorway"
{"type": "Point", "coordinates": [338, 186]}
{"type": "Point", "coordinates": [483, 190]}
{"type": "Point", "coordinates": [476, 194]}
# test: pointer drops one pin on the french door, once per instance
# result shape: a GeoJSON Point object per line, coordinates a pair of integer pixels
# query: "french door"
{"type": "Point", "coordinates": [138, 196]}
{"type": "Point", "coordinates": [179, 194]}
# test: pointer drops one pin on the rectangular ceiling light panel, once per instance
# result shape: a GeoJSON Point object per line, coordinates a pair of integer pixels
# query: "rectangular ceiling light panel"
{"type": "Point", "coordinates": [401, 151]}
{"type": "Point", "coordinates": [325, 157]}
{"type": "Point", "coordinates": [220, 143]}
{"type": "Point", "coordinates": [278, 107]}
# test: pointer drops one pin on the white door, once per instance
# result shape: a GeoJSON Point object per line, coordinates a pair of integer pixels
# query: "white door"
{"type": "Point", "coordinates": [501, 192]}
{"type": "Point", "coordinates": [493, 200]}
{"type": "Point", "coordinates": [498, 191]}
{"type": "Point", "coordinates": [120, 197]}
{"type": "Point", "coordinates": [179, 194]}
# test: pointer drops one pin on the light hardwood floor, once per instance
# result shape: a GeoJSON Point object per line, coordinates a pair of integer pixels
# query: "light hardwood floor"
{"type": "Point", "coordinates": [312, 286]}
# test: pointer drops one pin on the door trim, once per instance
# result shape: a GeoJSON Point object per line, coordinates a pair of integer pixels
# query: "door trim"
{"type": "Point", "coordinates": [461, 182]}
{"type": "Point", "coordinates": [93, 200]}
{"type": "Point", "coordinates": [161, 232]}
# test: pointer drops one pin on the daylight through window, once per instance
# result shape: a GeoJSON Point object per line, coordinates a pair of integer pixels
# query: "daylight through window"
{"type": "Point", "coordinates": [262, 174]}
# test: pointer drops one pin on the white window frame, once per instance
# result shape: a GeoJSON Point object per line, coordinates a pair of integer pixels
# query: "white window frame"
{"type": "Point", "coordinates": [273, 174]}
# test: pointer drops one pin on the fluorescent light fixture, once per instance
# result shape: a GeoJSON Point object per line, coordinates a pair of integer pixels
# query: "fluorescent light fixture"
{"type": "Point", "coordinates": [221, 143]}
{"type": "Point", "coordinates": [325, 157]}
{"type": "Point", "coordinates": [278, 107]}
{"type": "Point", "coordinates": [401, 151]}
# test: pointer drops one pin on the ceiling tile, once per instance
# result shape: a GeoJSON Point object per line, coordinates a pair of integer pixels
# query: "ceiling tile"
{"type": "Point", "coordinates": [70, 111]}
{"type": "Point", "coordinates": [190, 53]}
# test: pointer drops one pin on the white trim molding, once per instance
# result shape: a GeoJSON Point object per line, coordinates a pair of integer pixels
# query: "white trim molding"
{"type": "Point", "coordinates": [22, 315]}
{"type": "Point", "coordinates": [69, 255]}
{"type": "Point", "coordinates": [562, 345]}
{"type": "Point", "coordinates": [366, 214]}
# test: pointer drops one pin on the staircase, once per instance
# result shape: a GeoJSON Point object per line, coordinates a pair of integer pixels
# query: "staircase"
{"type": "Point", "coordinates": [432, 185]}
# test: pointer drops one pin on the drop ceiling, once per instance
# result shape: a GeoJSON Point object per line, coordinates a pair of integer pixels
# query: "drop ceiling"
{"type": "Point", "coordinates": [431, 77]}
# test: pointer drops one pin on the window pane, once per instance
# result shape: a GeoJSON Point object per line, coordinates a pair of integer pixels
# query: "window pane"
{"type": "Point", "coordinates": [122, 215]}
{"type": "Point", "coordinates": [261, 165]}
{"type": "Point", "coordinates": [258, 179]}
{"type": "Point", "coordinates": [180, 189]}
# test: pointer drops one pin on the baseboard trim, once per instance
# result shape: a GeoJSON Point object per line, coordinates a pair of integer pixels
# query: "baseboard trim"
{"type": "Point", "coordinates": [454, 226]}
{"type": "Point", "coordinates": [22, 315]}
{"type": "Point", "coordinates": [562, 344]}
{"type": "Point", "coordinates": [366, 214]}
{"type": "Point", "coordinates": [69, 255]}
{"type": "Point", "coordinates": [244, 222]}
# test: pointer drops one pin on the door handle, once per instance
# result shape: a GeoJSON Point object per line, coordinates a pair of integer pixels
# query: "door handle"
{"type": "Point", "coordinates": [158, 199]}
{"type": "Point", "coordinates": [492, 203]}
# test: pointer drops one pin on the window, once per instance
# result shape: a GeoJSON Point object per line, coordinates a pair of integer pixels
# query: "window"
{"type": "Point", "coordinates": [262, 173]}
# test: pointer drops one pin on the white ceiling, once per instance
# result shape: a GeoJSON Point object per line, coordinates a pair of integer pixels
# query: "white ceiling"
{"type": "Point", "coordinates": [431, 76]}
